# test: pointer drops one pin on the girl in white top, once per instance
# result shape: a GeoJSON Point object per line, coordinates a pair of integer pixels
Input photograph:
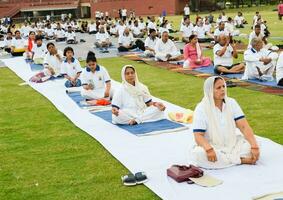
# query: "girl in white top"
{"type": "Point", "coordinates": [71, 69]}
{"type": "Point", "coordinates": [95, 80]}
{"type": "Point", "coordinates": [223, 135]}
{"type": "Point", "coordinates": [132, 103]}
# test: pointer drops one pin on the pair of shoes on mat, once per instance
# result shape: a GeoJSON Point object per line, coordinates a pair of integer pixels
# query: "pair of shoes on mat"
{"type": "Point", "coordinates": [230, 84]}
{"type": "Point", "coordinates": [132, 180]}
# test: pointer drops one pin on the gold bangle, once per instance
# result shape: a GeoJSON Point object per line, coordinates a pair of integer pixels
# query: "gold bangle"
{"type": "Point", "coordinates": [254, 148]}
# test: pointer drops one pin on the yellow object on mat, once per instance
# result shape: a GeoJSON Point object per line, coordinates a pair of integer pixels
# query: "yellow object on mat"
{"type": "Point", "coordinates": [19, 50]}
{"type": "Point", "coordinates": [206, 181]}
{"type": "Point", "coordinates": [272, 196]}
{"type": "Point", "coordinates": [38, 61]}
{"type": "Point", "coordinates": [183, 117]}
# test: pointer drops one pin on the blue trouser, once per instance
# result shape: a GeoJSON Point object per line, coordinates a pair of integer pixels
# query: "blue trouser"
{"type": "Point", "coordinates": [69, 84]}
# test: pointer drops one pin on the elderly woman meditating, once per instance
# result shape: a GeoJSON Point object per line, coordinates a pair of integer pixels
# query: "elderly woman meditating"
{"type": "Point", "coordinates": [132, 104]}
{"type": "Point", "coordinates": [223, 136]}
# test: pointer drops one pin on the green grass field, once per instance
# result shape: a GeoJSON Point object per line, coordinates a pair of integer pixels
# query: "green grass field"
{"type": "Point", "coordinates": [44, 156]}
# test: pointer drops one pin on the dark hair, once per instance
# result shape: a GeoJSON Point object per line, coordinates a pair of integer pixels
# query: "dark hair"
{"type": "Point", "coordinates": [257, 26]}
{"type": "Point", "coordinates": [9, 32]}
{"type": "Point", "coordinates": [217, 78]}
{"type": "Point", "coordinates": [91, 57]}
{"type": "Point", "coordinates": [49, 44]}
{"type": "Point", "coordinates": [68, 49]}
{"type": "Point", "coordinates": [17, 31]}
{"type": "Point", "coordinates": [130, 67]}
{"type": "Point", "coordinates": [151, 30]}
{"type": "Point", "coordinates": [192, 37]}
{"type": "Point", "coordinates": [38, 37]}
{"type": "Point", "coordinates": [31, 32]}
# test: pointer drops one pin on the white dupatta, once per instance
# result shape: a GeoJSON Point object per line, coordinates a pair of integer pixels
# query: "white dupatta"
{"type": "Point", "coordinates": [213, 126]}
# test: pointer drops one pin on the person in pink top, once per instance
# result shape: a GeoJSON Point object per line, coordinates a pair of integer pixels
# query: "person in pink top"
{"type": "Point", "coordinates": [193, 55]}
{"type": "Point", "coordinates": [280, 10]}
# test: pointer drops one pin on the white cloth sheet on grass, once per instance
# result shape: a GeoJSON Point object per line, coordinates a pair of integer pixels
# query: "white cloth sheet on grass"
{"type": "Point", "coordinates": [154, 154]}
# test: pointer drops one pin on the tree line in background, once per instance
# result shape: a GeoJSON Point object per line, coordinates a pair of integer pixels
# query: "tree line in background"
{"type": "Point", "coordinates": [201, 5]}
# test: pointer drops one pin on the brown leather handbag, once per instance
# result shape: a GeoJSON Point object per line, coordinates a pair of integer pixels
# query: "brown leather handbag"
{"type": "Point", "coordinates": [182, 173]}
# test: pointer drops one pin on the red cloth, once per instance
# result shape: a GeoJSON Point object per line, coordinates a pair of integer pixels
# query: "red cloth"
{"type": "Point", "coordinates": [280, 9]}
{"type": "Point", "coordinates": [30, 45]}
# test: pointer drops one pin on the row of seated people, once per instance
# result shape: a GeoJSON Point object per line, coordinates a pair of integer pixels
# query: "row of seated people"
{"type": "Point", "coordinates": [132, 104]}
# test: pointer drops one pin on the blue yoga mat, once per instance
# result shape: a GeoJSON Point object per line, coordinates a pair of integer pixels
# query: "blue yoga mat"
{"type": "Point", "coordinates": [141, 129]}
{"type": "Point", "coordinates": [210, 70]}
{"type": "Point", "coordinates": [76, 96]}
{"type": "Point", "coordinates": [36, 67]}
{"type": "Point", "coordinates": [266, 83]}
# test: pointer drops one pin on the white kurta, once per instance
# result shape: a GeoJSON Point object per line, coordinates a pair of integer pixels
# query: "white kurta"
{"type": "Point", "coordinates": [162, 49]}
{"type": "Point", "coordinates": [225, 157]}
{"type": "Point", "coordinates": [252, 57]}
{"type": "Point", "coordinates": [279, 68]}
{"type": "Point", "coordinates": [129, 110]}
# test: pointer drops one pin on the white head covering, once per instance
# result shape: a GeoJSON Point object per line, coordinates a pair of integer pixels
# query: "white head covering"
{"type": "Point", "coordinates": [213, 126]}
{"type": "Point", "coordinates": [138, 91]}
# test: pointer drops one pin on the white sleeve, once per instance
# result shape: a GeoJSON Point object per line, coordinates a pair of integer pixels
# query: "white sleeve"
{"type": "Point", "coordinates": [199, 120]}
{"type": "Point", "coordinates": [120, 41]}
{"type": "Point", "coordinates": [250, 57]}
{"type": "Point", "coordinates": [84, 79]}
{"type": "Point", "coordinates": [63, 69]}
{"type": "Point", "coordinates": [117, 99]}
{"type": "Point", "coordinates": [78, 67]}
{"type": "Point", "coordinates": [236, 110]}
{"type": "Point", "coordinates": [216, 48]}
{"type": "Point", "coordinates": [146, 42]}
{"type": "Point", "coordinates": [106, 76]}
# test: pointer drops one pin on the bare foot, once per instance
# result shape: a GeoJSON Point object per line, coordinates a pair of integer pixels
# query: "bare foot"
{"type": "Point", "coordinates": [248, 161]}
{"type": "Point", "coordinates": [132, 122]}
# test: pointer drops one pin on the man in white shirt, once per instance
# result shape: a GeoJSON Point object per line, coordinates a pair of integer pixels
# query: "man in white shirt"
{"type": "Point", "coordinates": [229, 26]}
{"type": "Point", "coordinates": [71, 36]}
{"type": "Point", "coordinates": [8, 42]}
{"type": "Point", "coordinates": [113, 30]}
{"type": "Point", "coordinates": [150, 43]}
{"type": "Point", "coordinates": [165, 49]}
{"type": "Point", "coordinates": [102, 40]}
{"type": "Point", "coordinates": [25, 29]}
{"type": "Point", "coordinates": [137, 32]}
{"type": "Point", "coordinates": [151, 24]}
{"type": "Point", "coordinates": [121, 27]}
{"type": "Point", "coordinates": [260, 62]}
{"type": "Point", "coordinates": [18, 45]}
{"type": "Point", "coordinates": [257, 33]}
{"type": "Point", "coordinates": [126, 41]}
{"type": "Point", "coordinates": [124, 14]}
{"type": "Point", "coordinates": [187, 11]}
{"type": "Point", "coordinates": [279, 70]}
{"type": "Point", "coordinates": [201, 33]}
{"type": "Point", "coordinates": [92, 28]}
{"type": "Point", "coordinates": [219, 31]}
{"type": "Point", "coordinates": [224, 53]}
{"type": "Point", "coordinates": [239, 20]}
{"type": "Point", "coordinates": [60, 34]}
{"type": "Point", "coordinates": [186, 29]}
{"type": "Point", "coordinates": [49, 32]}
{"type": "Point", "coordinates": [39, 50]}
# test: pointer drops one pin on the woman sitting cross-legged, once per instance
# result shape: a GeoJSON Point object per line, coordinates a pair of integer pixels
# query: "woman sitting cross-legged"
{"type": "Point", "coordinates": [132, 103]}
{"type": "Point", "coordinates": [193, 55]}
{"type": "Point", "coordinates": [95, 79]}
{"type": "Point", "coordinates": [223, 135]}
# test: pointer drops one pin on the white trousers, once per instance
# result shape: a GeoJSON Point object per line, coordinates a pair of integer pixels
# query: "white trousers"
{"type": "Point", "coordinates": [95, 94]}
{"type": "Point", "coordinates": [162, 56]}
{"type": "Point", "coordinates": [150, 114]}
{"type": "Point", "coordinates": [251, 71]}
{"type": "Point", "coordinates": [224, 159]}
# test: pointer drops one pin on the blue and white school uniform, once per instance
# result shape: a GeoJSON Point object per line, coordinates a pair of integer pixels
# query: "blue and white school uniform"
{"type": "Point", "coordinates": [98, 79]}
{"type": "Point", "coordinates": [71, 69]}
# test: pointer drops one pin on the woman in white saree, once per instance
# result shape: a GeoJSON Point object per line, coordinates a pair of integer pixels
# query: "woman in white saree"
{"type": "Point", "coordinates": [132, 103]}
{"type": "Point", "coordinates": [222, 134]}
